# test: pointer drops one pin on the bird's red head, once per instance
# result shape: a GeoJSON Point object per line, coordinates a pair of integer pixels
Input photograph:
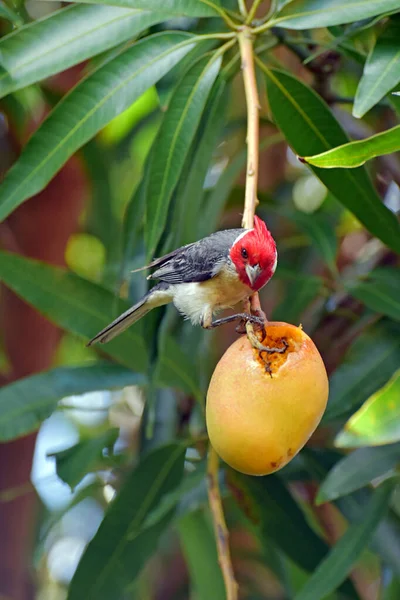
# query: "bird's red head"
{"type": "Point", "coordinates": [254, 255]}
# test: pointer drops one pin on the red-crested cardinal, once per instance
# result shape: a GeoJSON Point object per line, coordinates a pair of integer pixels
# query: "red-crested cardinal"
{"type": "Point", "coordinates": [205, 277]}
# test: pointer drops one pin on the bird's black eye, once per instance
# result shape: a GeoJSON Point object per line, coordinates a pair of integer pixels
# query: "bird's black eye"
{"type": "Point", "coordinates": [244, 253]}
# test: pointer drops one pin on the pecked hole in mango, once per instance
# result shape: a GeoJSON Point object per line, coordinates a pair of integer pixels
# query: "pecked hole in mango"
{"type": "Point", "coordinates": [287, 339]}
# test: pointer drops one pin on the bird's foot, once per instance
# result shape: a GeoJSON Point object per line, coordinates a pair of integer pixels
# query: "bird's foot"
{"type": "Point", "coordinates": [256, 320]}
{"type": "Point", "coordinates": [243, 317]}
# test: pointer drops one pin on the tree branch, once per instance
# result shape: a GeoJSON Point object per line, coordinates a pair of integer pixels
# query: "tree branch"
{"type": "Point", "coordinates": [252, 102]}
{"type": "Point", "coordinates": [253, 127]}
{"type": "Point", "coordinates": [220, 529]}
{"type": "Point", "coordinates": [253, 106]}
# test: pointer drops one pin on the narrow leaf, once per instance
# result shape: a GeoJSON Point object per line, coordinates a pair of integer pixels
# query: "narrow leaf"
{"type": "Point", "coordinates": [210, 130]}
{"type": "Point", "coordinates": [188, 496]}
{"type": "Point", "coordinates": [337, 565]}
{"type": "Point", "coordinates": [25, 403]}
{"type": "Point", "coordinates": [7, 13]}
{"type": "Point", "coordinates": [298, 296]}
{"type": "Point", "coordinates": [86, 109]}
{"type": "Point", "coordinates": [357, 470]}
{"type": "Point", "coordinates": [267, 503]}
{"type": "Point", "coordinates": [122, 545]}
{"type": "Point", "coordinates": [378, 420]}
{"type": "Point", "coordinates": [381, 70]}
{"type": "Point", "coordinates": [307, 14]}
{"type": "Point", "coordinates": [174, 8]}
{"type": "Point", "coordinates": [392, 590]}
{"type": "Point", "coordinates": [316, 130]}
{"type": "Point", "coordinates": [175, 368]}
{"type": "Point", "coordinates": [101, 220]}
{"type": "Point", "coordinates": [321, 233]}
{"type": "Point", "coordinates": [85, 457]}
{"type": "Point", "coordinates": [380, 291]}
{"type": "Point", "coordinates": [369, 363]}
{"type": "Point", "coordinates": [355, 154]}
{"type": "Point", "coordinates": [386, 539]}
{"type": "Point", "coordinates": [218, 196]}
{"type": "Point", "coordinates": [64, 38]}
{"type": "Point", "coordinates": [75, 304]}
{"type": "Point", "coordinates": [173, 142]}
{"type": "Point", "coordinates": [198, 545]}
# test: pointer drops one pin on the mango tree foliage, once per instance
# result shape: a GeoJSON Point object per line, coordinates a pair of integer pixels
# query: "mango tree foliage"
{"type": "Point", "coordinates": [147, 98]}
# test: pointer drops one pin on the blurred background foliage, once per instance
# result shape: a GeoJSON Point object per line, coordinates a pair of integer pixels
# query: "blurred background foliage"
{"type": "Point", "coordinates": [102, 461]}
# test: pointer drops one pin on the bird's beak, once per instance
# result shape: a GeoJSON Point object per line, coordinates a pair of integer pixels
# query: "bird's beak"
{"type": "Point", "coordinates": [253, 273]}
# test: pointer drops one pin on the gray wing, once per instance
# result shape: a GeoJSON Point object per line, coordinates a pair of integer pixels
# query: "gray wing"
{"type": "Point", "coordinates": [197, 261]}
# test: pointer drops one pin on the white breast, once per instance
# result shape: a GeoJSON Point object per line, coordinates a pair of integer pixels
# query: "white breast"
{"type": "Point", "coordinates": [196, 300]}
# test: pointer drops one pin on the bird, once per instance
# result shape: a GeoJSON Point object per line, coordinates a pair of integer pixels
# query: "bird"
{"type": "Point", "coordinates": [205, 277]}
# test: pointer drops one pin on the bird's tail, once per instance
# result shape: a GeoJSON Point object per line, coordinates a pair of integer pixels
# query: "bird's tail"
{"type": "Point", "coordinates": [156, 297]}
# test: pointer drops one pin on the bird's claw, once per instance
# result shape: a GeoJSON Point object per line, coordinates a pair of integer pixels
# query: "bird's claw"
{"type": "Point", "coordinates": [241, 327]}
{"type": "Point", "coordinates": [257, 320]}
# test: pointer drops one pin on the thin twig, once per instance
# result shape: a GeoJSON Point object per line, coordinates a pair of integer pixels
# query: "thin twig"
{"type": "Point", "coordinates": [253, 106]}
{"type": "Point", "coordinates": [242, 7]}
{"type": "Point", "coordinates": [220, 529]}
{"type": "Point", "coordinates": [265, 26]}
{"type": "Point", "coordinates": [231, 24]}
{"type": "Point", "coordinates": [253, 127]}
{"type": "Point", "coordinates": [252, 11]}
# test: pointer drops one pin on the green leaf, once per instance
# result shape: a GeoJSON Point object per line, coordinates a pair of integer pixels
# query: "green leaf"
{"type": "Point", "coordinates": [166, 86]}
{"type": "Point", "coordinates": [174, 8]}
{"type": "Point", "coordinates": [337, 565]}
{"type": "Point", "coordinates": [355, 154]}
{"type": "Point", "coordinates": [218, 196]}
{"type": "Point", "coordinates": [299, 294]}
{"type": "Point", "coordinates": [190, 495]}
{"type": "Point", "coordinates": [307, 14]}
{"type": "Point", "coordinates": [94, 102]}
{"type": "Point", "coordinates": [381, 70]}
{"type": "Point", "coordinates": [122, 545]}
{"type": "Point", "coordinates": [380, 291]}
{"type": "Point", "coordinates": [315, 130]}
{"type": "Point", "coordinates": [267, 503]}
{"type": "Point", "coordinates": [369, 363]}
{"type": "Point", "coordinates": [395, 102]}
{"type": "Point", "coordinates": [210, 130]}
{"type": "Point", "coordinates": [318, 228]}
{"type": "Point", "coordinates": [200, 552]}
{"type": "Point", "coordinates": [75, 462]}
{"type": "Point", "coordinates": [64, 38]}
{"type": "Point", "coordinates": [101, 220]}
{"type": "Point", "coordinates": [173, 142]}
{"type": "Point", "coordinates": [175, 368]}
{"type": "Point", "coordinates": [392, 591]}
{"type": "Point", "coordinates": [386, 539]}
{"type": "Point", "coordinates": [25, 403]}
{"type": "Point", "coordinates": [7, 13]}
{"type": "Point", "coordinates": [378, 420]}
{"type": "Point", "coordinates": [357, 470]}
{"type": "Point", "coordinates": [75, 304]}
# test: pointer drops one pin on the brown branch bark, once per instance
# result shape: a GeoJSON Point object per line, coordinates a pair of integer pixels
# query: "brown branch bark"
{"type": "Point", "coordinates": [220, 528]}
{"type": "Point", "coordinates": [253, 107]}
